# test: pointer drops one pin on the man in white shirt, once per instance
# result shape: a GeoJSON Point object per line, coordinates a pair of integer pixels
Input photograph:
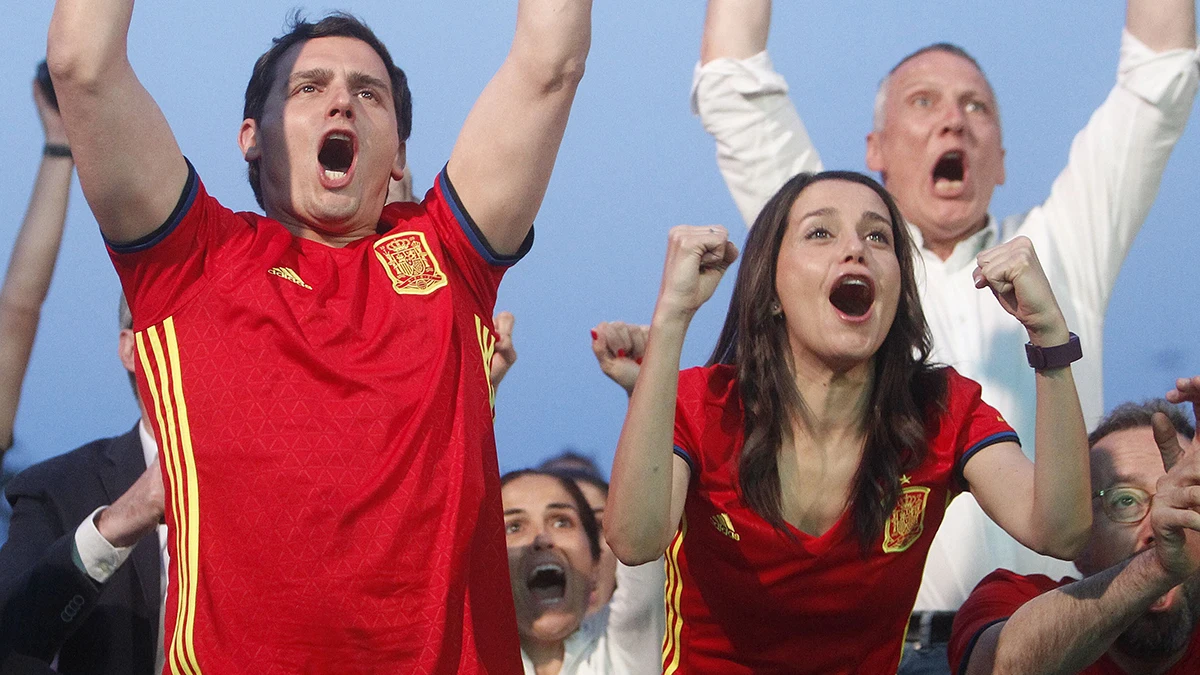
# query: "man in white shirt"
{"type": "Point", "coordinates": [83, 573]}
{"type": "Point", "coordinates": [937, 144]}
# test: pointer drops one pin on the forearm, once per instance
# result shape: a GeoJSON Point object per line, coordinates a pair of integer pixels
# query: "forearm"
{"type": "Point", "coordinates": [735, 29]}
{"type": "Point", "coordinates": [1061, 509]}
{"type": "Point", "coordinates": [552, 41]}
{"type": "Point", "coordinates": [1162, 24]}
{"type": "Point", "coordinates": [1065, 630]}
{"type": "Point", "coordinates": [638, 512]}
{"type": "Point", "coordinates": [27, 281]}
{"type": "Point", "coordinates": [87, 37]}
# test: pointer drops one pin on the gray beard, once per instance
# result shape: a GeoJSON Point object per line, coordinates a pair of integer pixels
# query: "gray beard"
{"type": "Point", "coordinates": [1156, 636]}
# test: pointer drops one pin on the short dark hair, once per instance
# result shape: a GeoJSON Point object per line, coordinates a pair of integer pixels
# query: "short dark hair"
{"type": "Point", "coordinates": [1133, 415]}
{"type": "Point", "coordinates": [576, 466]}
{"type": "Point", "coordinates": [907, 386]}
{"type": "Point", "coordinates": [586, 518]}
{"type": "Point", "coordinates": [299, 30]}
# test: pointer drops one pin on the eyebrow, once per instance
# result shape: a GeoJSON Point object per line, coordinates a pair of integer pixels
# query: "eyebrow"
{"type": "Point", "coordinates": [553, 505]}
{"type": "Point", "coordinates": [867, 216]}
{"type": "Point", "coordinates": [313, 74]}
{"type": "Point", "coordinates": [359, 80]}
{"type": "Point", "coordinates": [356, 79]}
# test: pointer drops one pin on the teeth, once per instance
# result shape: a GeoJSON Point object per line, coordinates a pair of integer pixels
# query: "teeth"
{"type": "Point", "coordinates": [854, 282]}
{"type": "Point", "coordinates": [945, 186]}
{"type": "Point", "coordinates": [547, 568]}
{"type": "Point", "coordinates": [339, 137]}
{"type": "Point", "coordinates": [334, 175]}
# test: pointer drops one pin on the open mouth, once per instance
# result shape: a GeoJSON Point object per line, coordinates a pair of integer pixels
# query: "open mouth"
{"type": "Point", "coordinates": [949, 172]}
{"type": "Point", "coordinates": [336, 155]}
{"type": "Point", "coordinates": [547, 583]}
{"type": "Point", "coordinates": [853, 295]}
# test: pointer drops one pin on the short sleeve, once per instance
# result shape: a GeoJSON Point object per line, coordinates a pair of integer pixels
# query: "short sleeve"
{"type": "Point", "coordinates": [462, 242]}
{"type": "Point", "coordinates": [160, 272]}
{"type": "Point", "coordinates": [995, 599]}
{"type": "Point", "coordinates": [689, 416]}
{"type": "Point", "coordinates": [979, 424]}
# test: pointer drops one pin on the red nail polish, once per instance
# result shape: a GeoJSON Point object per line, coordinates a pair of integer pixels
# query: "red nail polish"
{"type": "Point", "coordinates": [621, 353]}
{"type": "Point", "coordinates": [594, 335]}
{"type": "Point", "coordinates": [638, 361]}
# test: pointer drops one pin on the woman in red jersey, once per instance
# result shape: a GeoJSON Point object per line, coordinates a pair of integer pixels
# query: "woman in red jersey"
{"type": "Point", "coordinates": [795, 483]}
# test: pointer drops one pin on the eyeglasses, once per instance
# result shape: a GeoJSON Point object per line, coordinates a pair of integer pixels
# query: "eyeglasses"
{"type": "Point", "coordinates": [1125, 504]}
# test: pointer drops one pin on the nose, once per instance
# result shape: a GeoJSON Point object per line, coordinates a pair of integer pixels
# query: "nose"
{"type": "Point", "coordinates": [954, 120]}
{"type": "Point", "coordinates": [855, 249]}
{"type": "Point", "coordinates": [342, 103]}
{"type": "Point", "coordinates": [1145, 534]}
{"type": "Point", "coordinates": [542, 541]}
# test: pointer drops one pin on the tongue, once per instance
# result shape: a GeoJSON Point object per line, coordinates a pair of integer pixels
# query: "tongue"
{"type": "Point", "coordinates": [547, 594]}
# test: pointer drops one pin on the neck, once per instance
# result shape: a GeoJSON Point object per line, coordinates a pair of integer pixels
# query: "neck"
{"type": "Point", "coordinates": [546, 656]}
{"type": "Point", "coordinates": [835, 401]}
{"type": "Point", "coordinates": [346, 233]}
{"type": "Point", "coordinates": [942, 241]}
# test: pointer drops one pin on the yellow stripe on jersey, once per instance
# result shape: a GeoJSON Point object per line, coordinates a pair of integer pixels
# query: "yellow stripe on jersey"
{"type": "Point", "coordinates": [673, 595]}
{"type": "Point", "coordinates": [487, 348]}
{"type": "Point", "coordinates": [170, 407]}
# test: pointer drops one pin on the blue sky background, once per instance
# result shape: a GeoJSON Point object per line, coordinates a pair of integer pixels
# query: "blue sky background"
{"type": "Point", "coordinates": [634, 163]}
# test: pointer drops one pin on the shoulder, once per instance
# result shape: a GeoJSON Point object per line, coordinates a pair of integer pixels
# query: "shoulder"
{"type": "Point", "coordinates": [708, 383]}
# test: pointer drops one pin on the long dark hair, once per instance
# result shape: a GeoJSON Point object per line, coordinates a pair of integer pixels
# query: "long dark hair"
{"type": "Point", "coordinates": [754, 339]}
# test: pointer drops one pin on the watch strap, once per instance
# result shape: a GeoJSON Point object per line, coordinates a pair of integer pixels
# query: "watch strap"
{"type": "Point", "coordinates": [1058, 356]}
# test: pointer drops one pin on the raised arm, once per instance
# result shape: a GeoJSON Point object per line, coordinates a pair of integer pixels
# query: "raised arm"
{"type": "Point", "coordinates": [130, 168]}
{"type": "Point", "coordinates": [1162, 24]}
{"type": "Point", "coordinates": [735, 29]}
{"type": "Point", "coordinates": [1045, 505]}
{"type": "Point", "coordinates": [505, 153]}
{"type": "Point", "coordinates": [1066, 629]}
{"type": "Point", "coordinates": [649, 483]}
{"type": "Point", "coordinates": [31, 265]}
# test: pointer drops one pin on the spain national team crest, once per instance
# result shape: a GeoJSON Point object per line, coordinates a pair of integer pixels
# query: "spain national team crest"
{"type": "Point", "coordinates": [907, 523]}
{"type": "Point", "coordinates": [410, 263]}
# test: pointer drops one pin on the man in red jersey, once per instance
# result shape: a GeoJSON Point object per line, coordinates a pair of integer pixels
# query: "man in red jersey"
{"type": "Point", "coordinates": [318, 377]}
{"type": "Point", "coordinates": [1137, 609]}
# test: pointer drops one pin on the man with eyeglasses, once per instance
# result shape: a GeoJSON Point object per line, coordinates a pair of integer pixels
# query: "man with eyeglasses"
{"type": "Point", "coordinates": [1137, 607]}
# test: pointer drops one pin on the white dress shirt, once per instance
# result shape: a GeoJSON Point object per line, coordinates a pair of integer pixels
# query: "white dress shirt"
{"type": "Point", "coordinates": [1081, 233]}
{"type": "Point", "coordinates": [625, 637]}
{"type": "Point", "coordinates": [101, 559]}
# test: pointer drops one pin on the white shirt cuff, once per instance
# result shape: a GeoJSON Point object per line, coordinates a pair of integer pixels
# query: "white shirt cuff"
{"type": "Point", "coordinates": [754, 75]}
{"type": "Point", "coordinates": [100, 559]}
{"type": "Point", "coordinates": [1161, 79]}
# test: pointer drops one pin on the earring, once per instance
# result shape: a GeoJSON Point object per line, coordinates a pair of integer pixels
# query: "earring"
{"type": "Point", "coordinates": [776, 309]}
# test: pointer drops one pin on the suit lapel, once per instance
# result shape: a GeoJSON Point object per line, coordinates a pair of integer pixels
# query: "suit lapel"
{"type": "Point", "coordinates": [127, 463]}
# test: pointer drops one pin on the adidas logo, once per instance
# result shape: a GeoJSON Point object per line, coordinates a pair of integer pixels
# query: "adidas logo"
{"type": "Point", "coordinates": [725, 526]}
{"type": "Point", "coordinates": [289, 274]}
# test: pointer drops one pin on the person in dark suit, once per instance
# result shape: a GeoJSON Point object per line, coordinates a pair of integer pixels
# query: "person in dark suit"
{"type": "Point", "coordinates": [81, 575]}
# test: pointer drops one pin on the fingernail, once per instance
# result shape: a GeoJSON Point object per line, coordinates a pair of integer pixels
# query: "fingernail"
{"type": "Point", "coordinates": [621, 353]}
{"type": "Point", "coordinates": [638, 361]}
{"type": "Point", "coordinates": [594, 335]}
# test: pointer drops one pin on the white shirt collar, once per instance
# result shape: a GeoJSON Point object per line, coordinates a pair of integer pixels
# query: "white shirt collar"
{"type": "Point", "coordinates": [149, 445]}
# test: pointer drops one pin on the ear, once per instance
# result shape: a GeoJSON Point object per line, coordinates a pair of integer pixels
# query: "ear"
{"type": "Point", "coordinates": [875, 151]}
{"type": "Point", "coordinates": [126, 348]}
{"type": "Point", "coordinates": [248, 140]}
{"type": "Point", "coordinates": [401, 163]}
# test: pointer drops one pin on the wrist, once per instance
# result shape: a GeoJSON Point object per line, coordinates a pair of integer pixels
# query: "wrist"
{"type": "Point", "coordinates": [56, 150]}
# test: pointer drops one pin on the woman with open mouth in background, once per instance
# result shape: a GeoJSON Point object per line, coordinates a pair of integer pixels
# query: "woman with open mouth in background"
{"type": "Point", "coordinates": [795, 483]}
{"type": "Point", "coordinates": [553, 559]}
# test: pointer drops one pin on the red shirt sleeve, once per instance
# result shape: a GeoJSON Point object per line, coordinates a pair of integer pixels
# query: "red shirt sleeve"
{"type": "Point", "coordinates": [979, 424]}
{"type": "Point", "coordinates": [995, 599]}
{"type": "Point", "coordinates": [160, 272]}
{"type": "Point", "coordinates": [689, 416]}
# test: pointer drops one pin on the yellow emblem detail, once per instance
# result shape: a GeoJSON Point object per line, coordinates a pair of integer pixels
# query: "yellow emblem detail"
{"type": "Point", "coordinates": [410, 263]}
{"type": "Point", "coordinates": [725, 526]}
{"type": "Point", "coordinates": [487, 348]}
{"type": "Point", "coordinates": [905, 479]}
{"type": "Point", "coordinates": [907, 522]}
{"type": "Point", "coordinates": [289, 274]}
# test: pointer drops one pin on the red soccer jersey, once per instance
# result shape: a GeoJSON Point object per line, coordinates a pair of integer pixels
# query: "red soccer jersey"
{"type": "Point", "coordinates": [326, 440]}
{"type": "Point", "coordinates": [1002, 592]}
{"type": "Point", "coordinates": [744, 598]}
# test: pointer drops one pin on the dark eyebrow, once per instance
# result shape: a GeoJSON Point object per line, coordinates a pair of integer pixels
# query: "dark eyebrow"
{"type": "Point", "coordinates": [559, 505]}
{"type": "Point", "coordinates": [873, 217]}
{"type": "Point", "coordinates": [513, 512]}
{"type": "Point", "coordinates": [313, 74]}
{"type": "Point", "coordinates": [363, 80]}
{"type": "Point", "coordinates": [827, 211]}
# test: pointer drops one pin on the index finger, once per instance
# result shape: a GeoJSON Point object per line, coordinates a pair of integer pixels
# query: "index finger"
{"type": "Point", "coordinates": [1167, 439]}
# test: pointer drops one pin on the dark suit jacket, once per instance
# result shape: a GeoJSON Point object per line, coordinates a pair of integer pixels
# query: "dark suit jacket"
{"type": "Point", "coordinates": [48, 605]}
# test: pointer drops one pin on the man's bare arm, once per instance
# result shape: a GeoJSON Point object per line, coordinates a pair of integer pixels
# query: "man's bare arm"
{"type": "Point", "coordinates": [130, 168]}
{"type": "Point", "coordinates": [505, 153]}
{"type": "Point", "coordinates": [31, 266]}
{"type": "Point", "coordinates": [735, 29]}
{"type": "Point", "coordinates": [1162, 24]}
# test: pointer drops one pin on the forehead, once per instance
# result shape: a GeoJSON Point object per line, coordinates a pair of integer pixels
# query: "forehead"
{"type": "Point", "coordinates": [339, 54]}
{"type": "Point", "coordinates": [592, 493]}
{"type": "Point", "coordinates": [534, 493]}
{"type": "Point", "coordinates": [1126, 456]}
{"type": "Point", "coordinates": [848, 198]}
{"type": "Point", "coordinates": [939, 68]}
